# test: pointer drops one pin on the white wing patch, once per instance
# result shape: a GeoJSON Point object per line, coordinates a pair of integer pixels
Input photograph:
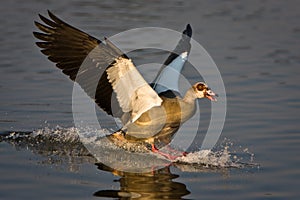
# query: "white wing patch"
{"type": "Point", "coordinates": [133, 93]}
{"type": "Point", "coordinates": [168, 78]}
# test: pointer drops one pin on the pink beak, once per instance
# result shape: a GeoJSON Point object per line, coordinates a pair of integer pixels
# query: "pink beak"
{"type": "Point", "coordinates": [211, 95]}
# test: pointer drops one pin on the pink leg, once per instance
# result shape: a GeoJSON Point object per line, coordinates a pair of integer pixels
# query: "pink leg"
{"type": "Point", "coordinates": [168, 156]}
{"type": "Point", "coordinates": [184, 153]}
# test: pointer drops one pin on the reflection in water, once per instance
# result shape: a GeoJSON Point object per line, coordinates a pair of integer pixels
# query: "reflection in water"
{"type": "Point", "coordinates": [63, 147]}
{"type": "Point", "coordinates": [158, 184]}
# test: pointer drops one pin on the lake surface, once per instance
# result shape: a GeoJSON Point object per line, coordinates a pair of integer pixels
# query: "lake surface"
{"type": "Point", "coordinates": [255, 45]}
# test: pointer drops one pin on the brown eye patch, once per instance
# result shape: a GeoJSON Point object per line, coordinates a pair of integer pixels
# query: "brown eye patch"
{"type": "Point", "coordinates": [201, 87]}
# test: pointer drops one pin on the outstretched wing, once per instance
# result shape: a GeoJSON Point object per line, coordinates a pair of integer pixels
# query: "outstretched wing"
{"type": "Point", "coordinates": [167, 78]}
{"type": "Point", "coordinates": [99, 67]}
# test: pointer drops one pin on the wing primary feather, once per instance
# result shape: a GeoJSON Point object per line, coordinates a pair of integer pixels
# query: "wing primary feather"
{"type": "Point", "coordinates": [70, 48]}
{"type": "Point", "coordinates": [44, 28]}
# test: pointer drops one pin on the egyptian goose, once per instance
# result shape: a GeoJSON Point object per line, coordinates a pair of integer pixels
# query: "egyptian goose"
{"type": "Point", "coordinates": [149, 112]}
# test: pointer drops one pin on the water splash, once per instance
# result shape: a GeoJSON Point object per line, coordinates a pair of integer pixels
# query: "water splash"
{"type": "Point", "coordinates": [47, 141]}
{"type": "Point", "coordinates": [209, 158]}
{"type": "Point", "coordinates": [66, 141]}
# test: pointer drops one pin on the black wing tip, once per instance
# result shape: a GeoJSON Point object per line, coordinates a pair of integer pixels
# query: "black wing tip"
{"type": "Point", "coordinates": [40, 36]}
{"type": "Point", "coordinates": [49, 12]}
{"type": "Point", "coordinates": [42, 17]}
{"type": "Point", "coordinates": [36, 23]}
{"type": "Point", "coordinates": [51, 15]}
{"type": "Point", "coordinates": [188, 30]}
{"type": "Point", "coordinates": [52, 20]}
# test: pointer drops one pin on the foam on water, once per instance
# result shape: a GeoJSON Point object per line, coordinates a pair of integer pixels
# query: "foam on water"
{"type": "Point", "coordinates": [209, 158]}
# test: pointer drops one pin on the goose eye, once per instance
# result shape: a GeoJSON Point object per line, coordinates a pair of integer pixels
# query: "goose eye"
{"type": "Point", "coordinates": [200, 87]}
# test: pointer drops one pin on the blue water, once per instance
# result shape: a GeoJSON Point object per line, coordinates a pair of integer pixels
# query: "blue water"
{"type": "Point", "coordinates": [255, 45]}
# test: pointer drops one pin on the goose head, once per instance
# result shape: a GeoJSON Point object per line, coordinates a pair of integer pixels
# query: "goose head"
{"type": "Point", "coordinates": [201, 90]}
